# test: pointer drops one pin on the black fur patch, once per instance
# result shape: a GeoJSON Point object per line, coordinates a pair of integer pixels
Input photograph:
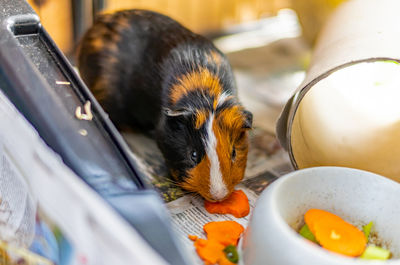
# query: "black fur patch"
{"type": "Point", "coordinates": [177, 138]}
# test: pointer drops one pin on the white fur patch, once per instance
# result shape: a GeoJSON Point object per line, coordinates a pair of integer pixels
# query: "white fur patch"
{"type": "Point", "coordinates": [218, 189]}
{"type": "Point", "coordinates": [222, 98]}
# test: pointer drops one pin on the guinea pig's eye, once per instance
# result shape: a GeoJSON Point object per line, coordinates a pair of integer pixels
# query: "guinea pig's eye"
{"type": "Point", "coordinates": [233, 155]}
{"type": "Point", "coordinates": [194, 156]}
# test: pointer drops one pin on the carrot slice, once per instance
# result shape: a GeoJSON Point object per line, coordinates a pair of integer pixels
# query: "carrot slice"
{"type": "Point", "coordinates": [236, 204]}
{"type": "Point", "coordinates": [225, 232]}
{"type": "Point", "coordinates": [315, 216]}
{"type": "Point", "coordinates": [209, 250]}
{"type": "Point", "coordinates": [220, 235]}
{"type": "Point", "coordinates": [192, 237]}
{"type": "Point", "coordinates": [335, 234]}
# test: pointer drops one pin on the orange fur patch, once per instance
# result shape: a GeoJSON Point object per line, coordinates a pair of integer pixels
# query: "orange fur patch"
{"type": "Point", "coordinates": [96, 37]}
{"type": "Point", "coordinates": [174, 174]}
{"type": "Point", "coordinates": [232, 117]}
{"type": "Point", "coordinates": [97, 44]}
{"type": "Point", "coordinates": [228, 131]}
{"type": "Point", "coordinates": [96, 41]}
{"type": "Point", "coordinates": [107, 16]}
{"type": "Point", "coordinates": [215, 103]}
{"type": "Point", "coordinates": [228, 136]}
{"type": "Point", "coordinates": [111, 60]}
{"type": "Point", "coordinates": [99, 89]}
{"type": "Point", "coordinates": [214, 57]}
{"type": "Point", "coordinates": [202, 79]}
{"type": "Point", "coordinates": [198, 179]}
{"type": "Point", "coordinates": [201, 117]}
{"type": "Point", "coordinates": [224, 149]}
{"type": "Point", "coordinates": [123, 23]}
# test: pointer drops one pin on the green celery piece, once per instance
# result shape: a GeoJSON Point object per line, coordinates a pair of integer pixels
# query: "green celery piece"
{"type": "Point", "coordinates": [306, 233]}
{"type": "Point", "coordinates": [231, 253]}
{"type": "Point", "coordinates": [367, 229]}
{"type": "Point", "coordinates": [374, 252]}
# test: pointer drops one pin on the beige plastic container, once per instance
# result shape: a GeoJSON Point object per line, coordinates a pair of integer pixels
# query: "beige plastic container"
{"type": "Point", "coordinates": [347, 110]}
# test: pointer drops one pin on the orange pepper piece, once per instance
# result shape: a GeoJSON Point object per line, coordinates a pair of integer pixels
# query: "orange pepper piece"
{"type": "Point", "coordinates": [209, 250]}
{"type": "Point", "coordinates": [335, 234]}
{"type": "Point", "coordinates": [219, 235]}
{"type": "Point", "coordinates": [225, 232]}
{"type": "Point", "coordinates": [192, 237]}
{"type": "Point", "coordinates": [236, 204]}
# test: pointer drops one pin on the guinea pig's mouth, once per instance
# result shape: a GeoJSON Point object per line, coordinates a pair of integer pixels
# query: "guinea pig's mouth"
{"type": "Point", "coordinates": [199, 186]}
{"type": "Point", "coordinates": [209, 198]}
{"type": "Point", "coordinates": [213, 200]}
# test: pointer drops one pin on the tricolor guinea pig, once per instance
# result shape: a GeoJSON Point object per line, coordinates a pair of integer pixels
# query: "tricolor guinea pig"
{"type": "Point", "coordinates": [149, 72]}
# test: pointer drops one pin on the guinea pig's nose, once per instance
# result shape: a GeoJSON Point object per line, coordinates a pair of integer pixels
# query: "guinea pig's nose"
{"type": "Point", "coordinates": [219, 194]}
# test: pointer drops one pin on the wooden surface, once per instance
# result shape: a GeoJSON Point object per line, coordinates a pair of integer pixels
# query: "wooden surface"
{"type": "Point", "coordinates": [205, 15]}
{"type": "Point", "coordinates": [56, 17]}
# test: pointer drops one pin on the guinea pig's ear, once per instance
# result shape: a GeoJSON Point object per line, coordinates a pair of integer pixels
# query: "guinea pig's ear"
{"type": "Point", "coordinates": [178, 117]}
{"type": "Point", "coordinates": [248, 119]}
{"type": "Point", "coordinates": [177, 113]}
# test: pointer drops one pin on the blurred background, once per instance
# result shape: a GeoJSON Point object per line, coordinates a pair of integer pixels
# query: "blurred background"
{"type": "Point", "coordinates": [66, 20]}
{"type": "Point", "coordinates": [268, 43]}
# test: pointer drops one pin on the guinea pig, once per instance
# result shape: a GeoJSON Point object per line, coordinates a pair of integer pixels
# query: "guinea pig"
{"type": "Point", "coordinates": [149, 72]}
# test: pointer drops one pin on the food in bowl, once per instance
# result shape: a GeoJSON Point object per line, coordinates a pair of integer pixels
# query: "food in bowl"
{"type": "Point", "coordinates": [356, 196]}
{"type": "Point", "coordinates": [335, 234]}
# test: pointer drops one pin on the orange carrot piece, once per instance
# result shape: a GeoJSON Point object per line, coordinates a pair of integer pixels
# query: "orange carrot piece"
{"type": "Point", "coordinates": [335, 234]}
{"type": "Point", "coordinates": [192, 237]}
{"type": "Point", "coordinates": [236, 204]}
{"type": "Point", "coordinates": [225, 232]}
{"type": "Point", "coordinates": [220, 235]}
{"type": "Point", "coordinates": [209, 250]}
{"type": "Point", "coordinates": [316, 216]}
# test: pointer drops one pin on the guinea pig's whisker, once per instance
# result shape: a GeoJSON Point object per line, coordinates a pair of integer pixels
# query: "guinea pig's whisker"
{"type": "Point", "coordinates": [171, 181]}
{"type": "Point", "coordinates": [196, 195]}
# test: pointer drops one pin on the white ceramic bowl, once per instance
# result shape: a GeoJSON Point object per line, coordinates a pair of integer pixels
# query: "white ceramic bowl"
{"type": "Point", "coordinates": [357, 196]}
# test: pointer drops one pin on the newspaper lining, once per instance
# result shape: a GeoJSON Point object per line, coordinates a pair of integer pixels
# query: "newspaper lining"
{"type": "Point", "coordinates": [189, 216]}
